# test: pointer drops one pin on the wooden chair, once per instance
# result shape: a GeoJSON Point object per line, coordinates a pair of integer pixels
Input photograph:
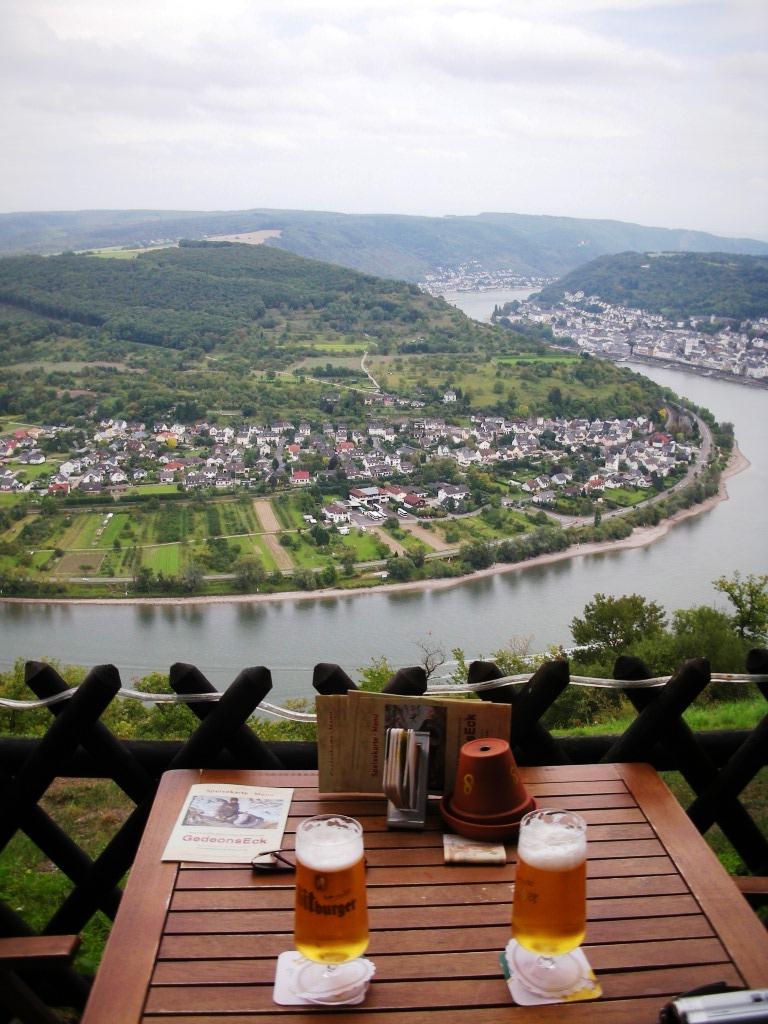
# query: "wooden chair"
{"type": "Point", "coordinates": [19, 959]}
{"type": "Point", "coordinates": [754, 888]}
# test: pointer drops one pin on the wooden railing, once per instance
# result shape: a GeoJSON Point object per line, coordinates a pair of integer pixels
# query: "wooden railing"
{"type": "Point", "coordinates": [77, 744]}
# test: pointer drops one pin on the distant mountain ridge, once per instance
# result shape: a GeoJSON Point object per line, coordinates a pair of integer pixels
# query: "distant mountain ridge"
{"type": "Point", "coordinates": [673, 284]}
{"type": "Point", "coordinates": [387, 245]}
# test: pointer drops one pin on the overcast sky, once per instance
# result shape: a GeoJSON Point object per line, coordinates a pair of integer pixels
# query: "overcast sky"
{"type": "Point", "coordinates": [655, 113]}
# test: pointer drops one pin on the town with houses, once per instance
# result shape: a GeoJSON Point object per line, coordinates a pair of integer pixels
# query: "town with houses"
{"type": "Point", "coordinates": [472, 276]}
{"type": "Point", "coordinates": [382, 460]}
{"type": "Point", "coordinates": [727, 347]}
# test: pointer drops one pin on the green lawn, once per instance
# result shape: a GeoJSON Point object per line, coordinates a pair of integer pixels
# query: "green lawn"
{"type": "Point", "coordinates": [234, 519]}
{"type": "Point", "coordinates": [30, 473]}
{"type": "Point", "coordinates": [364, 545]}
{"type": "Point", "coordinates": [110, 254]}
{"type": "Point", "coordinates": [90, 527]}
{"type": "Point", "coordinates": [112, 530]}
{"type": "Point", "coordinates": [158, 489]}
{"type": "Point", "coordinates": [553, 357]}
{"type": "Point", "coordinates": [505, 523]}
{"type": "Point", "coordinates": [624, 497]}
{"type": "Point", "coordinates": [307, 556]}
{"type": "Point", "coordinates": [254, 545]}
{"type": "Point", "coordinates": [340, 348]}
{"type": "Point", "coordinates": [288, 512]}
{"type": "Point", "coordinates": [165, 559]}
{"type": "Point", "coordinates": [410, 543]}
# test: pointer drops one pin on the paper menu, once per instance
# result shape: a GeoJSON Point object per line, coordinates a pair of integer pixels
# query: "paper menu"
{"type": "Point", "coordinates": [228, 824]}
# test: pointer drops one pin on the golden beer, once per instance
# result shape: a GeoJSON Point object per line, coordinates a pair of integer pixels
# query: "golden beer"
{"type": "Point", "coordinates": [331, 919]}
{"type": "Point", "coordinates": [549, 909]}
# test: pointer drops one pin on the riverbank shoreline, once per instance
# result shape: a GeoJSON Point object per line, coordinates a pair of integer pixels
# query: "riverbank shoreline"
{"type": "Point", "coordinates": [641, 537]}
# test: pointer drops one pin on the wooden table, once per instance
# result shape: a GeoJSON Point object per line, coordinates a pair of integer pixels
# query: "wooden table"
{"type": "Point", "coordinates": [198, 943]}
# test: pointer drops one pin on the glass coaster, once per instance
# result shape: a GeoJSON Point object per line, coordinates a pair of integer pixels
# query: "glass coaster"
{"type": "Point", "coordinates": [578, 979]}
{"type": "Point", "coordinates": [287, 991]}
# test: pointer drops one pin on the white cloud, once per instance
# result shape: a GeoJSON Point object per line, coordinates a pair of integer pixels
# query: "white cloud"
{"type": "Point", "coordinates": [391, 105]}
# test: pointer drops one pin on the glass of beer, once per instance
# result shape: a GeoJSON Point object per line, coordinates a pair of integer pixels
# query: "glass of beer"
{"type": "Point", "coordinates": [331, 920]}
{"type": "Point", "coordinates": [550, 905]}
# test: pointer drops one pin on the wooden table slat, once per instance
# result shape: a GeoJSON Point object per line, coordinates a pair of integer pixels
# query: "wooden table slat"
{"type": "Point", "coordinates": [241, 877]}
{"type": "Point", "coordinates": [453, 994]}
{"type": "Point", "coordinates": [615, 931]}
{"type": "Point", "coordinates": [419, 896]}
{"type": "Point", "coordinates": [428, 917]}
{"type": "Point", "coordinates": [616, 1012]}
{"type": "Point", "coordinates": [476, 964]}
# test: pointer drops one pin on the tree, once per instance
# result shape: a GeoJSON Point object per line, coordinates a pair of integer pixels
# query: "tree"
{"type": "Point", "coordinates": [376, 675]}
{"type": "Point", "coordinates": [400, 568]}
{"type": "Point", "coordinates": [250, 573]}
{"type": "Point", "coordinates": [700, 632]}
{"type": "Point", "coordinates": [192, 578]}
{"type": "Point", "coordinates": [613, 623]}
{"type": "Point", "coordinates": [749, 597]}
{"type": "Point", "coordinates": [432, 655]}
{"type": "Point", "coordinates": [327, 576]}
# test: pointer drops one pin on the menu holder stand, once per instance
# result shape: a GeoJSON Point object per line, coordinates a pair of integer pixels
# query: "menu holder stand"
{"type": "Point", "coordinates": [414, 817]}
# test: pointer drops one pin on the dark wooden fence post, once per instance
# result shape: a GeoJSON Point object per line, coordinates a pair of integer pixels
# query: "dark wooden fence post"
{"type": "Point", "coordinates": [62, 738]}
{"type": "Point", "coordinates": [245, 746]}
{"type": "Point", "coordinates": [531, 742]}
{"type": "Point", "coordinates": [329, 679]}
{"type": "Point", "coordinates": [717, 791]}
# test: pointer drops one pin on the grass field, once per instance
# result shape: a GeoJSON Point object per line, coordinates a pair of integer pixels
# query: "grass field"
{"type": "Point", "coordinates": [335, 347]}
{"type": "Point", "coordinates": [288, 513]}
{"type": "Point", "coordinates": [166, 559]}
{"type": "Point", "coordinates": [412, 544]}
{"type": "Point", "coordinates": [507, 522]}
{"type": "Point", "coordinates": [553, 357]}
{"type": "Point", "coordinates": [307, 556]}
{"type": "Point", "coordinates": [626, 498]}
{"type": "Point", "coordinates": [258, 546]}
{"type": "Point", "coordinates": [364, 545]}
{"type": "Point", "coordinates": [114, 528]}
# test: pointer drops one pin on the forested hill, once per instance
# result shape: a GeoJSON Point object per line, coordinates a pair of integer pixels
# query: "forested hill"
{"type": "Point", "coordinates": [674, 284]}
{"type": "Point", "coordinates": [386, 245]}
{"type": "Point", "coordinates": [199, 294]}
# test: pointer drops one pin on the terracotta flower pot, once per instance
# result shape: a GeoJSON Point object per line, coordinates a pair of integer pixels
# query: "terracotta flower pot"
{"type": "Point", "coordinates": [489, 797]}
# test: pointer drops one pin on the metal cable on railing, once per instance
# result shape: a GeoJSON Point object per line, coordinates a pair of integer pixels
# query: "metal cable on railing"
{"type": "Point", "coordinates": [445, 691]}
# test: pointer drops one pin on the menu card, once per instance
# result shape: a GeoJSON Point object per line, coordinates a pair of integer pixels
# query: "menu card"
{"type": "Point", "coordinates": [227, 824]}
{"type": "Point", "coordinates": [351, 735]}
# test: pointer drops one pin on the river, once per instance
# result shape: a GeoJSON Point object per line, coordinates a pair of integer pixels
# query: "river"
{"type": "Point", "coordinates": [479, 616]}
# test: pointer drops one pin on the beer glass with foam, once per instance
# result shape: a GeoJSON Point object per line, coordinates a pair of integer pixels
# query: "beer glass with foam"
{"type": "Point", "coordinates": [549, 908]}
{"type": "Point", "coordinates": [331, 919]}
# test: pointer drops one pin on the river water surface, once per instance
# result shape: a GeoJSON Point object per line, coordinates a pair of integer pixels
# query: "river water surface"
{"type": "Point", "coordinates": [479, 616]}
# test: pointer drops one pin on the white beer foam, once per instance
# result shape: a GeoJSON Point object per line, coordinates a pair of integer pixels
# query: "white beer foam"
{"type": "Point", "coordinates": [326, 848]}
{"type": "Point", "coordinates": [551, 847]}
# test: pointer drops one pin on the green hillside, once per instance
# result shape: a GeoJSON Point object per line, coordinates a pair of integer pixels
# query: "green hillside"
{"type": "Point", "coordinates": [200, 293]}
{"type": "Point", "coordinates": [220, 330]}
{"type": "Point", "coordinates": [386, 245]}
{"type": "Point", "coordinates": [674, 284]}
